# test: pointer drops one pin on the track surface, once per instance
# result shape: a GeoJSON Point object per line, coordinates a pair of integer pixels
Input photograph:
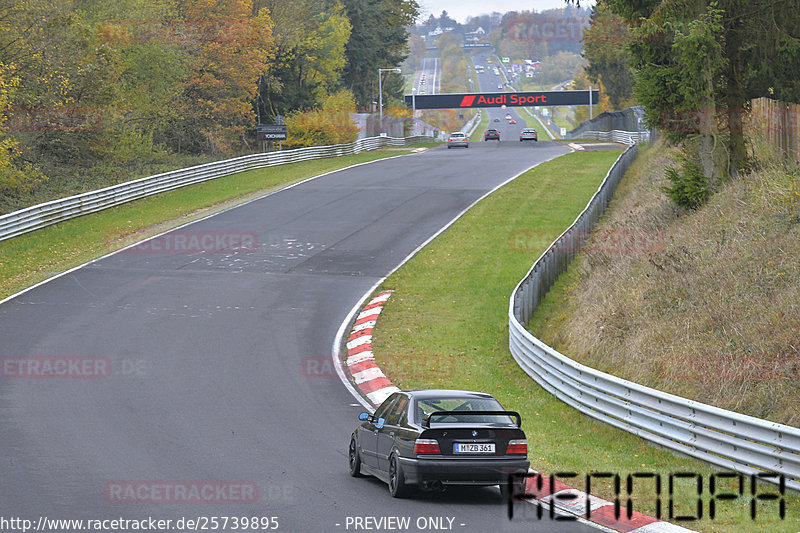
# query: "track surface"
{"type": "Point", "coordinates": [429, 78]}
{"type": "Point", "coordinates": [221, 361]}
{"type": "Point", "coordinates": [490, 83]}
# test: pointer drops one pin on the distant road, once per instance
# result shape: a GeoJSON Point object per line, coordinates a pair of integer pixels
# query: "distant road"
{"type": "Point", "coordinates": [428, 80]}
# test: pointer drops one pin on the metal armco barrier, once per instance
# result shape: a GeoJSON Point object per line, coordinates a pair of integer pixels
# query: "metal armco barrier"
{"type": "Point", "coordinates": [723, 438]}
{"type": "Point", "coordinates": [55, 211]}
{"type": "Point", "coordinates": [618, 136]}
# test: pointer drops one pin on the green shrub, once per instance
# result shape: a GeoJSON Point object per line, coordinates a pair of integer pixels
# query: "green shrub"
{"type": "Point", "coordinates": [690, 188]}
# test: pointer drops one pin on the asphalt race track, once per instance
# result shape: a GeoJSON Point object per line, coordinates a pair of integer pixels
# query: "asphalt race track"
{"type": "Point", "coordinates": [219, 370]}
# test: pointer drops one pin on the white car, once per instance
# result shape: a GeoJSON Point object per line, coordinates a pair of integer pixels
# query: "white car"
{"type": "Point", "coordinates": [458, 138]}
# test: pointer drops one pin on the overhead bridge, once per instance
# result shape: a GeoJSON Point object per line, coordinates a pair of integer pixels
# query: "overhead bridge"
{"type": "Point", "coordinates": [508, 99]}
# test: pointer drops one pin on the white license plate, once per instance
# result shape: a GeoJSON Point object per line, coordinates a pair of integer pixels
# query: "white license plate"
{"type": "Point", "coordinates": [473, 447]}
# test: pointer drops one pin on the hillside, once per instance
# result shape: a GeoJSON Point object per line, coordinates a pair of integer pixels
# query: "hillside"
{"type": "Point", "coordinates": [703, 304]}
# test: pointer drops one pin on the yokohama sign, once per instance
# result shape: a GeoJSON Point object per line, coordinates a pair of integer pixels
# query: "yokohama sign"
{"type": "Point", "coordinates": [544, 98]}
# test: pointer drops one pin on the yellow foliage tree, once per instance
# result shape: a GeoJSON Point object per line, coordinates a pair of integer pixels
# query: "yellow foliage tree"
{"type": "Point", "coordinates": [224, 69]}
{"type": "Point", "coordinates": [322, 127]}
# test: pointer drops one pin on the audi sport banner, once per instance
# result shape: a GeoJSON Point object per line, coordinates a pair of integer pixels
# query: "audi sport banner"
{"type": "Point", "coordinates": [543, 98]}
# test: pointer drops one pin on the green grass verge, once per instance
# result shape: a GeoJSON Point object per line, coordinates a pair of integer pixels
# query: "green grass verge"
{"type": "Point", "coordinates": [561, 121]}
{"type": "Point", "coordinates": [477, 135]}
{"type": "Point", "coordinates": [447, 326]}
{"type": "Point", "coordinates": [33, 257]}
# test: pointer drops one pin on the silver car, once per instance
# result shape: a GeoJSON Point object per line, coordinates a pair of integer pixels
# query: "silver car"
{"type": "Point", "coordinates": [458, 138]}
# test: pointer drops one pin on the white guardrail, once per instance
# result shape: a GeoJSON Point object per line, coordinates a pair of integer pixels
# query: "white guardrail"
{"type": "Point", "coordinates": [727, 439]}
{"type": "Point", "coordinates": [470, 127]}
{"type": "Point", "coordinates": [55, 211]}
{"type": "Point", "coordinates": [619, 136]}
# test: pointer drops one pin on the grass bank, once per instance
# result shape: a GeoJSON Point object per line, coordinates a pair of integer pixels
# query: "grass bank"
{"type": "Point", "coordinates": [704, 304]}
{"type": "Point", "coordinates": [33, 257]}
{"type": "Point", "coordinates": [477, 135]}
{"type": "Point", "coordinates": [447, 326]}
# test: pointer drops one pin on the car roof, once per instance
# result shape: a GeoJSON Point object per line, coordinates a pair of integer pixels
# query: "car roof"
{"type": "Point", "coordinates": [425, 394]}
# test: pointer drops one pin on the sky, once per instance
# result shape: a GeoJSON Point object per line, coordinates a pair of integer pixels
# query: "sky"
{"type": "Point", "coordinates": [463, 9]}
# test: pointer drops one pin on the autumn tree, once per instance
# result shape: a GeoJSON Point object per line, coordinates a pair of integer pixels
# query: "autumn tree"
{"type": "Point", "coordinates": [699, 63]}
{"type": "Point", "coordinates": [605, 47]}
{"type": "Point", "coordinates": [310, 40]}
{"type": "Point", "coordinates": [378, 40]}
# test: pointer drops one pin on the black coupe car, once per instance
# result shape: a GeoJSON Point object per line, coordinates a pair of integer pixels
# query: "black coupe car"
{"type": "Point", "coordinates": [433, 438]}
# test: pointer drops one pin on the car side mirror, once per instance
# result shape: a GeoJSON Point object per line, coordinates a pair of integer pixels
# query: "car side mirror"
{"type": "Point", "coordinates": [364, 416]}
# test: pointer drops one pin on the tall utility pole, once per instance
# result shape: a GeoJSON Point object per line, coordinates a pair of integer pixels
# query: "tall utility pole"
{"type": "Point", "coordinates": [380, 92]}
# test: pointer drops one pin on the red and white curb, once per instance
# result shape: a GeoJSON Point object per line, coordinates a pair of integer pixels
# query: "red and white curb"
{"type": "Point", "coordinates": [371, 383]}
{"type": "Point", "coordinates": [602, 512]}
{"type": "Point", "coordinates": [360, 362]}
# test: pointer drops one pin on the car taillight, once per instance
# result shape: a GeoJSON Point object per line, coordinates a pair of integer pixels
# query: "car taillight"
{"type": "Point", "coordinates": [517, 446]}
{"type": "Point", "coordinates": [429, 446]}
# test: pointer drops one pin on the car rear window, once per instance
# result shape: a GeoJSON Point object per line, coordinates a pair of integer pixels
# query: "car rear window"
{"type": "Point", "coordinates": [431, 405]}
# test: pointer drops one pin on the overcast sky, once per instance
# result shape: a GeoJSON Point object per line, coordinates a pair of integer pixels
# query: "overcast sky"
{"type": "Point", "coordinates": [463, 9]}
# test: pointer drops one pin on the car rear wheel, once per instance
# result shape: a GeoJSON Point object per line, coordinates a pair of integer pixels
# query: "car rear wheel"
{"type": "Point", "coordinates": [397, 480]}
{"type": "Point", "coordinates": [355, 458]}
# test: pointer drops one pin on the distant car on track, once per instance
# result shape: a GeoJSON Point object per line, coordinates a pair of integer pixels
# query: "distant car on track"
{"type": "Point", "coordinates": [512, 121]}
{"type": "Point", "coordinates": [434, 438]}
{"type": "Point", "coordinates": [528, 134]}
{"type": "Point", "coordinates": [457, 138]}
{"type": "Point", "coordinates": [491, 134]}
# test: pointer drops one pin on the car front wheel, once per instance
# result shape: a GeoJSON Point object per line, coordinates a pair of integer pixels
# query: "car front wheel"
{"type": "Point", "coordinates": [397, 480]}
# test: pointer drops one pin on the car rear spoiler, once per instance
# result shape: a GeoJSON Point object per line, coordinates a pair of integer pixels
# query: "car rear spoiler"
{"type": "Point", "coordinates": [426, 421]}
